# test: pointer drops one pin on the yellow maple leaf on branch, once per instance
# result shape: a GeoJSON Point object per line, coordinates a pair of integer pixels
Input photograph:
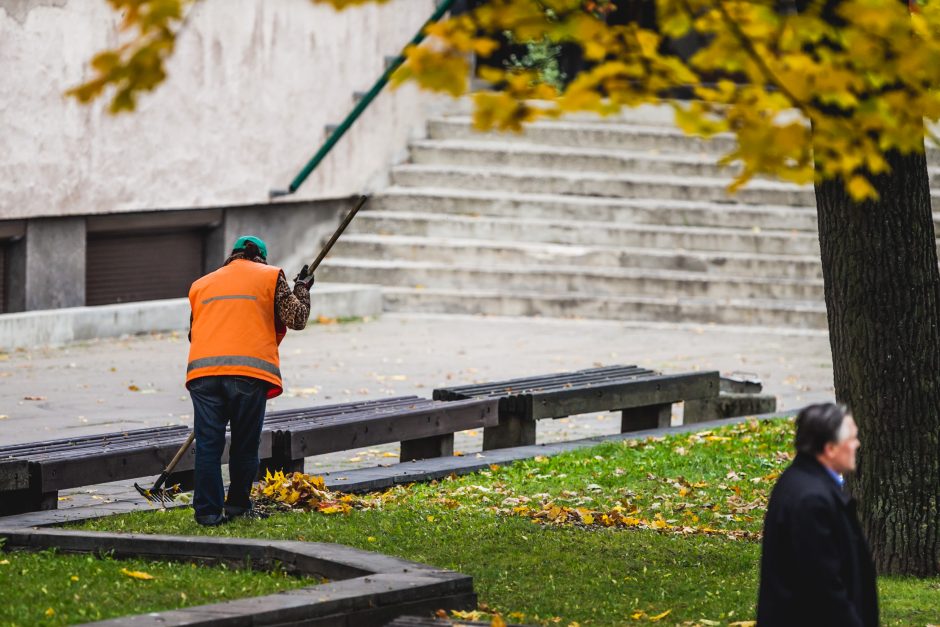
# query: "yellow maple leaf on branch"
{"type": "Point", "coordinates": [804, 96]}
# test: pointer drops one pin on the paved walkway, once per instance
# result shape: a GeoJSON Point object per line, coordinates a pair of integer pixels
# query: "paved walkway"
{"type": "Point", "coordinates": [110, 385]}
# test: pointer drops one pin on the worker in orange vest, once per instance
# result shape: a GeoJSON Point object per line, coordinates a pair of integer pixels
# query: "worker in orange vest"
{"type": "Point", "coordinates": [240, 314]}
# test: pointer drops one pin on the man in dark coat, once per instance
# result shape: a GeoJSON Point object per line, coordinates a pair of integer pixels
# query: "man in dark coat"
{"type": "Point", "coordinates": [816, 567]}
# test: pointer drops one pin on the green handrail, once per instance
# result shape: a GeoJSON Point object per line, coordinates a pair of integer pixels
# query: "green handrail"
{"type": "Point", "coordinates": [361, 106]}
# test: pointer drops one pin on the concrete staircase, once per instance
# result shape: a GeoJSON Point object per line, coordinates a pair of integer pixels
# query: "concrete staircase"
{"type": "Point", "coordinates": [625, 219]}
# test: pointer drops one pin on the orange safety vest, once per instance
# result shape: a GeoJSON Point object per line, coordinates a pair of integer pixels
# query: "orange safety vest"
{"type": "Point", "coordinates": [234, 328]}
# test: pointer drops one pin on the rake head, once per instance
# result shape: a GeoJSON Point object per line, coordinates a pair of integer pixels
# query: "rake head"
{"type": "Point", "coordinates": [159, 495]}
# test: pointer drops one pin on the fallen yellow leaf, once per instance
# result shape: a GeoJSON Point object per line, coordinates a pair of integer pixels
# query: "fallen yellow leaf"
{"type": "Point", "coordinates": [50, 612]}
{"type": "Point", "coordinates": [659, 617]}
{"type": "Point", "coordinates": [136, 574]}
{"type": "Point", "coordinates": [497, 621]}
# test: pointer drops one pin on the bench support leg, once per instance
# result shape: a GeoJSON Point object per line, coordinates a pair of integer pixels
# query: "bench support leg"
{"type": "Point", "coordinates": [649, 417]}
{"type": "Point", "coordinates": [700, 410]}
{"type": "Point", "coordinates": [427, 448]}
{"type": "Point", "coordinates": [27, 500]}
{"type": "Point", "coordinates": [185, 478]}
{"type": "Point", "coordinates": [513, 430]}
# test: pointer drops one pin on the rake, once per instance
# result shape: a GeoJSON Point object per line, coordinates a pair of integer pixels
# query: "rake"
{"type": "Point", "coordinates": [159, 494]}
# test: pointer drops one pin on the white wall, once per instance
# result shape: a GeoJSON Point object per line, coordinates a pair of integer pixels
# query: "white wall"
{"type": "Point", "coordinates": [250, 88]}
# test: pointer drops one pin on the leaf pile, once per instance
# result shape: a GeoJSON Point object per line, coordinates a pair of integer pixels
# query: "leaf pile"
{"type": "Point", "coordinates": [618, 517]}
{"type": "Point", "coordinates": [712, 483]}
{"type": "Point", "coordinates": [308, 492]}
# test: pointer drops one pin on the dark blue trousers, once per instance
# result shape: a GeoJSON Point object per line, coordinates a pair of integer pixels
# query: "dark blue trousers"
{"type": "Point", "coordinates": [218, 401]}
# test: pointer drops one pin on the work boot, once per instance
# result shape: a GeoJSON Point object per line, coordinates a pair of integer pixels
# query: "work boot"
{"type": "Point", "coordinates": [211, 520]}
{"type": "Point", "coordinates": [250, 513]}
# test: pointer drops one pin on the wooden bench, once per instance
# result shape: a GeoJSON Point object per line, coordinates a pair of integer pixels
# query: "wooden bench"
{"type": "Point", "coordinates": [644, 398]}
{"type": "Point", "coordinates": [31, 475]}
{"type": "Point", "coordinates": [55, 465]}
{"type": "Point", "coordinates": [424, 427]}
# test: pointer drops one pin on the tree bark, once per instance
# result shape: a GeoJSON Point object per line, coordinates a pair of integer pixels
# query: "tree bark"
{"type": "Point", "coordinates": [882, 289]}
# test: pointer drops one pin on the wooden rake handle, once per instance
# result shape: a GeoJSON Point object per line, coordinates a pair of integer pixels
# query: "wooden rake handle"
{"type": "Point", "coordinates": [339, 231]}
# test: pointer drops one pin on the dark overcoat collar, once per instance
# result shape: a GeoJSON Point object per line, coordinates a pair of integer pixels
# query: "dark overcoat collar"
{"type": "Point", "coordinates": [811, 465]}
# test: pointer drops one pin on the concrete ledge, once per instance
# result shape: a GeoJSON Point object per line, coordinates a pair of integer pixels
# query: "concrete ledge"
{"type": "Point", "coordinates": [367, 589]}
{"type": "Point", "coordinates": [60, 326]}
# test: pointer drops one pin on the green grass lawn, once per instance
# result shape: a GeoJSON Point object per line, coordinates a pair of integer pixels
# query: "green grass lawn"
{"type": "Point", "coordinates": [47, 588]}
{"type": "Point", "coordinates": [613, 535]}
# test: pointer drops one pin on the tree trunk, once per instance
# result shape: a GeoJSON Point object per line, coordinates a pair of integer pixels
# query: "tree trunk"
{"type": "Point", "coordinates": [882, 290]}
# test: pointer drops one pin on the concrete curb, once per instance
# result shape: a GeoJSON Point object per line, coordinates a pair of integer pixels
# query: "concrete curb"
{"type": "Point", "coordinates": [380, 478]}
{"type": "Point", "coordinates": [366, 589]}
{"type": "Point", "coordinates": [60, 326]}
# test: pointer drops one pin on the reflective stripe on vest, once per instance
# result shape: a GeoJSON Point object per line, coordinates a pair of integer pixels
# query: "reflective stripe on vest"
{"type": "Point", "coordinates": [230, 297]}
{"type": "Point", "coordinates": [234, 360]}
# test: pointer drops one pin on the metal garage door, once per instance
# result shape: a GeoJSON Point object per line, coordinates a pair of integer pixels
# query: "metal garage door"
{"type": "Point", "coordinates": [127, 267]}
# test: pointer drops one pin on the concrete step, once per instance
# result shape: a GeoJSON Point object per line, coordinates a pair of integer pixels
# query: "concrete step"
{"type": "Point", "coordinates": [557, 279]}
{"type": "Point", "coordinates": [586, 232]}
{"type": "Point", "coordinates": [526, 254]}
{"type": "Point", "coordinates": [705, 311]}
{"type": "Point", "coordinates": [482, 154]}
{"type": "Point", "coordinates": [589, 134]}
{"type": "Point", "coordinates": [634, 129]}
{"type": "Point", "coordinates": [475, 153]}
{"type": "Point", "coordinates": [645, 114]}
{"type": "Point", "coordinates": [656, 186]}
{"type": "Point", "coordinates": [693, 213]}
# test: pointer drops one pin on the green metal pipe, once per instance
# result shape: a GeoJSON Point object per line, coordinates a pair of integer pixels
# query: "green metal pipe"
{"type": "Point", "coordinates": [361, 106]}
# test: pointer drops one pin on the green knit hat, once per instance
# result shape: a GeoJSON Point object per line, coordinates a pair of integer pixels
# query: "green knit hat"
{"type": "Point", "coordinates": [257, 241]}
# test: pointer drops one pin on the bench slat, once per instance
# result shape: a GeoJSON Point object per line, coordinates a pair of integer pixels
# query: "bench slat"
{"type": "Point", "coordinates": [18, 450]}
{"type": "Point", "coordinates": [314, 413]}
{"type": "Point", "coordinates": [340, 419]}
{"type": "Point", "coordinates": [642, 392]}
{"type": "Point", "coordinates": [95, 448]}
{"type": "Point", "coordinates": [340, 407]}
{"type": "Point", "coordinates": [546, 382]}
{"type": "Point", "coordinates": [524, 382]}
{"type": "Point", "coordinates": [316, 438]}
{"type": "Point", "coordinates": [66, 472]}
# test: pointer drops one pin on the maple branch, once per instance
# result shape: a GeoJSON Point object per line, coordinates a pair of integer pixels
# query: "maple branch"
{"type": "Point", "coordinates": [765, 69]}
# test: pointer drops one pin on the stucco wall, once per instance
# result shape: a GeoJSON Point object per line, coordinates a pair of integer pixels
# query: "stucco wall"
{"type": "Point", "coordinates": [250, 88]}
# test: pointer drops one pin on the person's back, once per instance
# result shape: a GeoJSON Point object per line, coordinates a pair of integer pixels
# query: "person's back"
{"type": "Point", "coordinates": [240, 314]}
{"type": "Point", "coordinates": [816, 568]}
{"type": "Point", "coordinates": [234, 324]}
